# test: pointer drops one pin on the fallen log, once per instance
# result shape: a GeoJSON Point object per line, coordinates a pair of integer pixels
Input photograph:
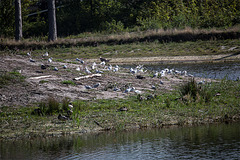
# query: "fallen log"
{"type": "Point", "coordinates": [40, 77]}
{"type": "Point", "coordinates": [87, 76]}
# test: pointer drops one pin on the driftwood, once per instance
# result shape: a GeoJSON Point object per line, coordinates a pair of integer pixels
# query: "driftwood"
{"type": "Point", "coordinates": [88, 76]}
{"type": "Point", "coordinates": [40, 77]}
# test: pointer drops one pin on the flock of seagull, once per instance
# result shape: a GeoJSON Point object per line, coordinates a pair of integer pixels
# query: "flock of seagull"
{"type": "Point", "coordinates": [104, 67]}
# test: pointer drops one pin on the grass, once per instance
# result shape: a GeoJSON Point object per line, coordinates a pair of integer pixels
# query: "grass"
{"type": "Point", "coordinates": [160, 110]}
{"type": "Point", "coordinates": [68, 82]}
{"type": "Point", "coordinates": [7, 78]}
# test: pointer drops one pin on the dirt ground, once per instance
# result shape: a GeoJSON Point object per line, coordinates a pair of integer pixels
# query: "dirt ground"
{"type": "Point", "coordinates": [40, 84]}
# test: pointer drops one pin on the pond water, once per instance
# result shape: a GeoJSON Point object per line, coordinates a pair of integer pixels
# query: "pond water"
{"type": "Point", "coordinates": [221, 70]}
{"type": "Point", "coordinates": [216, 141]}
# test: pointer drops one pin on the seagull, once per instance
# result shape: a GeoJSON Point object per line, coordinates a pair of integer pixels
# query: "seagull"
{"type": "Point", "coordinates": [29, 54]}
{"type": "Point", "coordinates": [78, 69]}
{"type": "Point", "coordinates": [70, 105]}
{"type": "Point", "coordinates": [87, 70]}
{"type": "Point", "coordinates": [116, 89]}
{"type": "Point", "coordinates": [64, 66]}
{"type": "Point", "coordinates": [55, 69]}
{"type": "Point", "coordinates": [32, 60]}
{"type": "Point", "coordinates": [155, 74]}
{"type": "Point", "coordinates": [137, 91]}
{"type": "Point", "coordinates": [116, 68]}
{"type": "Point", "coordinates": [50, 60]}
{"type": "Point", "coordinates": [103, 63]}
{"type": "Point", "coordinates": [45, 55]}
{"type": "Point", "coordinates": [133, 71]}
{"type": "Point", "coordinates": [110, 67]}
{"type": "Point", "coordinates": [103, 59]}
{"type": "Point", "coordinates": [88, 87]}
{"type": "Point", "coordinates": [96, 85]}
{"type": "Point", "coordinates": [161, 82]}
{"type": "Point", "coordinates": [80, 60]}
{"type": "Point", "coordinates": [98, 71]}
{"type": "Point", "coordinates": [153, 87]}
{"type": "Point", "coordinates": [93, 65]}
{"type": "Point", "coordinates": [127, 90]}
{"type": "Point", "coordinates": [132, 89]}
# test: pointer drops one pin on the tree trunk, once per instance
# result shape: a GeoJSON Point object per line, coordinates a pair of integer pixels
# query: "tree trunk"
{"type": "Point", "coordinates": [52, 21]}
{"type": "Point", "coordinates": [18, 20]}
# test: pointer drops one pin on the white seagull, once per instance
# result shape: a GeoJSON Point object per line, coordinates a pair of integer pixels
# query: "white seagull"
{"type": "Point", "coordinates": [50, 60]}
{"type": "Point", "coordinates": [32, 60]}
{"type": "Point", "coordinates": [88, 87]}
{"type": "Point", "coordinates": [78, 69]}
{"type": "Point", "coordinates": [64, 66]}
{"type": "Point", "coordinates": [55, 69]}
{"type": "Point", "coordinates": [87, 70]}
{"type": "Point", "coordinates": [45, 55]}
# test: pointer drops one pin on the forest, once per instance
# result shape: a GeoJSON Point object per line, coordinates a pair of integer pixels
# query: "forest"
{"type": "Point", "coordinates": [113, 16]}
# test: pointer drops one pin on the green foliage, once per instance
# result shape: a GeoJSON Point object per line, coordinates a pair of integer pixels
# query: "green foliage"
{"type": "Point", "coordinates": [68, 82]}
{"type": "Point", "coordinates": [74, 17]}
{"type": "Point", "coordinates": [50, 107]}
{"type": "Point", "coordinates": [192, 91]}
{"type": "Point", "coordinates": [65, 103]}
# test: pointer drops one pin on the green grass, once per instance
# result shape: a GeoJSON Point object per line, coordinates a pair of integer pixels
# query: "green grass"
{"type": "Point", "coordinates": [144, 49]}
{"type": "Point", "coordinates": [7, 78]}
{"type": "Point", "coordinates": [68, 82]}
{"type": "Point", "coordinates": [162, 109]}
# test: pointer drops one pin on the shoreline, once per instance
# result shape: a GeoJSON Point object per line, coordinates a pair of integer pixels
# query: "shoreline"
{"type": "Point", "coordinates": [175, 59]}
{"type": "Point", "coordinates": [140, 114]}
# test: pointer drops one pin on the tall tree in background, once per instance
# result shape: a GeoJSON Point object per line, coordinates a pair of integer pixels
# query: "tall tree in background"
{"type": "Point", "coordinates": [18, 20]}
{"type": "Point", "coordinates": [52, 20]}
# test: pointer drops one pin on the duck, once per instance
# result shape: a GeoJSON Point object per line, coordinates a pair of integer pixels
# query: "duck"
{"type": "Point", "coordinates": [62, 118]}
{"type": "Point", "coordinates": [43, 66]}
{"type": "Point", "coordinates": [104, 59]}
{"type": "Point", "coordinates": [96, 85]}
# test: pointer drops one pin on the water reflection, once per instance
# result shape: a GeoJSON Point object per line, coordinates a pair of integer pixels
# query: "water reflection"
{"type": "Point", "coordinates": [229, 70]}
{"type": "Point", "coordinates": [219, 141]}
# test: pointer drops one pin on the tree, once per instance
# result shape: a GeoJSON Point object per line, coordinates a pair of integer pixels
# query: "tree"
{"type": "Point", "coordinates": [52, 21]}
{"type": "Point", "coordinates": [18, 20]}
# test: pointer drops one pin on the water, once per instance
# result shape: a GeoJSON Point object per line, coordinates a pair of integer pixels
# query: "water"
{"type": "Point", "coordinates": [228, 70]}
{"type": "Point", "coordinates": [216, 141]}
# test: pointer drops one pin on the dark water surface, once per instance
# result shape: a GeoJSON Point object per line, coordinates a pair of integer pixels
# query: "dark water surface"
{"type": "Point", "coordinates": [216, 141]}
{"type": "Point", "coordinates": [228, 70]}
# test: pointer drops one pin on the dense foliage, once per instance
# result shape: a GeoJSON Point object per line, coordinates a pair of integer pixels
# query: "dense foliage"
{"type": "Point", "coordinates": [75, 16]}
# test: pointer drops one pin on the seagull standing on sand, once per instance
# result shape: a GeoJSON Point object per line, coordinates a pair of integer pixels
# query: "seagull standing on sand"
{"type": "Point", "coordinates": [88, 87]}
{"type": "Point", "coordinates": [50, 60]}
{"type": "Point", "coordinates": [87, 70]}
{"type": "Point", "coordinates": [93, 65]}
{"type": "Point", "coordinates": [45, 55]}
{"type": "Point", "coordinates": [32, 60]}
{"type": "Point", "coordinates": [29, 54]}
{"type": "Point", "coordinates": [64, 66]}
{"type": "Point", "coordinates": [78, 69]}
{"type": "Point", "coordinates": [103, 63]}
{"type": "Point", "coordinates": [55, 69]}
{"type": "Point", "coordinates": [116, 68]}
